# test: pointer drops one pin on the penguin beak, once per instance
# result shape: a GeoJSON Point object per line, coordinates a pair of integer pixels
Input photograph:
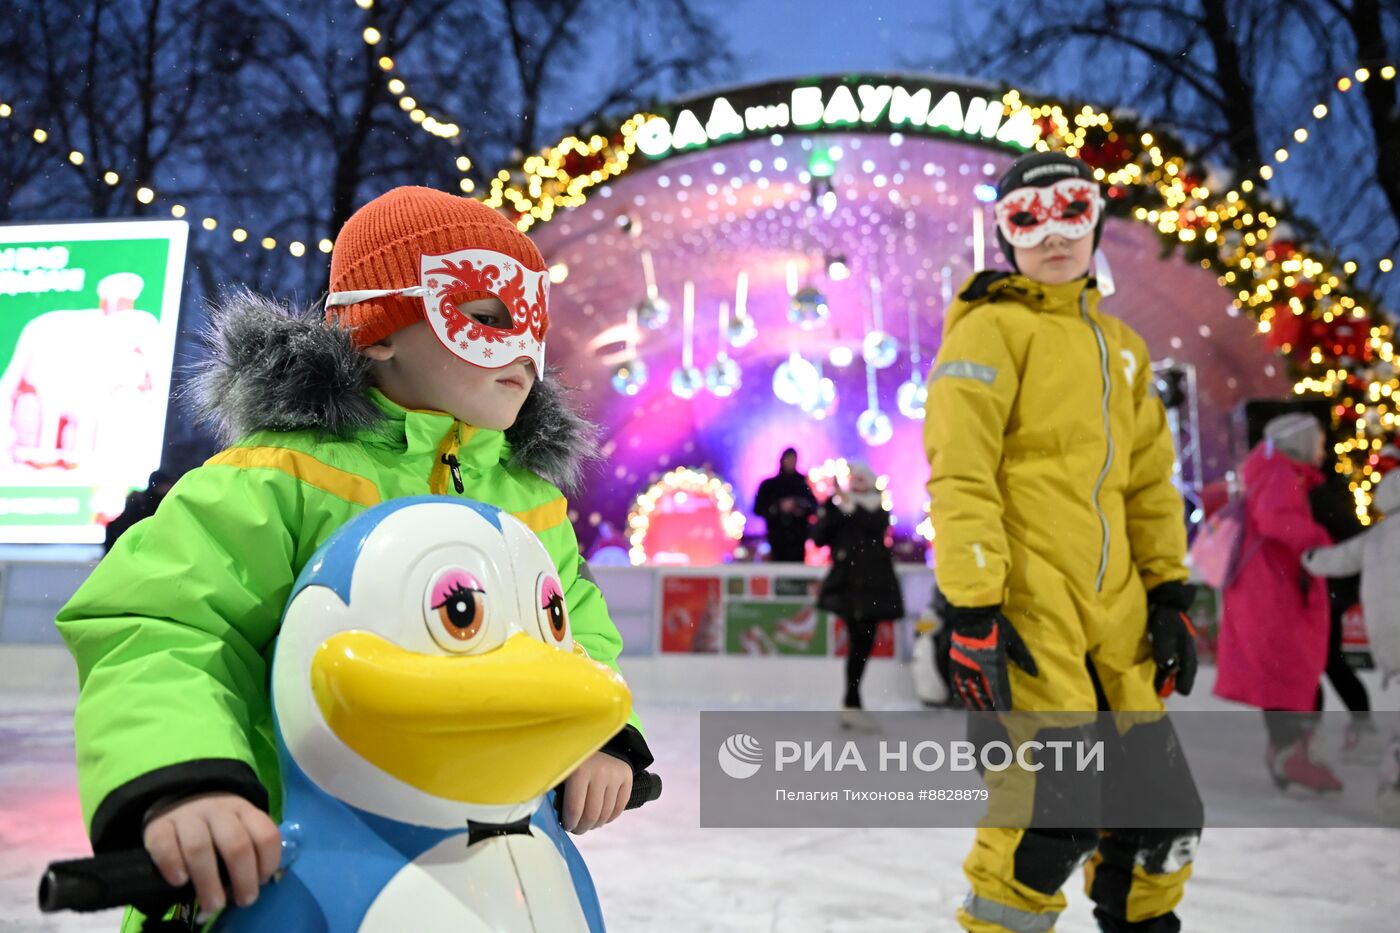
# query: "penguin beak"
{"type": "Point", "coordinates": [495, 728]}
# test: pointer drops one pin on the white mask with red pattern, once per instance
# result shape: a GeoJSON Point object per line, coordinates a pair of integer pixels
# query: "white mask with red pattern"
{"type": "Point", "coordinates": [448, 278]}
{"type": "Point", "coordinates": [1070, 207]}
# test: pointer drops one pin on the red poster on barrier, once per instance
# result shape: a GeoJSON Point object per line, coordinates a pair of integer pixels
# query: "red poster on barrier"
{"type": "Point", "coordinates": [884, 640]}
{"type": "Point", "coordinates": [1356, 645]}
{"type": "Point", "coordinates": [691, 615]}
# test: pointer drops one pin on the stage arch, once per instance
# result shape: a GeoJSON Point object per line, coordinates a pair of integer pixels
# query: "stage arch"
{"type": "Point", "coordinates": [835, 184]}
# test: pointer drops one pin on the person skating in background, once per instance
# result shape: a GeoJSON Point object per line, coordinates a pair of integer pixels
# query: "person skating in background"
{"type": "Point", "coordinates": [140, 503]}
{"type": "Point", "coordinates": [1375, 555]}
{"type": "Point", "coordinates": [786, 504]}
{"type": "Point", "coordinates": [1060, 545]}
{"type": "Point", "coordinates": [861, 589]}
{"type": "Point", "coordinates": [1334, 508]}
{"type": "Point", "coordinates": [1273, 622]}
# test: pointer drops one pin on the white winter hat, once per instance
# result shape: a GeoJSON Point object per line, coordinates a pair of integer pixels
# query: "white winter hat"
{"type": "Point", "coordinates": [1387, 494]}
{"type": "Point", "coordinates": [1294, 435]}
{"type": "Point", "coordinates": [862, 469]}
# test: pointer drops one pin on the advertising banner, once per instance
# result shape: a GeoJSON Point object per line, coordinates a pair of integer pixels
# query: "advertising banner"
{"type": "Point", "coordinates": [88, 318]}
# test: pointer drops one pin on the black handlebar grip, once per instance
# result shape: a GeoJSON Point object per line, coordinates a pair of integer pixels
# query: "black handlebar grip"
{"type": "Point", "coordinates": [103, 882]}
{"type": "Point", "coordinates": [646, 787]}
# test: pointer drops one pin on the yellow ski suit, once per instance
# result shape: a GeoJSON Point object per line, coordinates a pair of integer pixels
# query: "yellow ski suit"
{"type": "Point", "coordinates": [1052, 496]}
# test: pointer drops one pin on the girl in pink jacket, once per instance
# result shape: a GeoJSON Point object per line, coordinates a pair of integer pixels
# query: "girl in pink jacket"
{"type": "Point", "coordinates": [1273, 630]}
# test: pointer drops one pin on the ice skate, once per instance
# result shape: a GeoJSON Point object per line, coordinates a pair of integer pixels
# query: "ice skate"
{"type": "Point", "coordinates": [1295, 764]}
{"type": "Point", "coordinates": [1388, 803]}
{"type": "Point", "coordinates": [1167, 923]}
{"type": "Point", "coordinates": [1388, 794]}
{"type": "Point", "coordinates": [1362, 745]}
{"type": "Point", "coordinates": [858, 720]}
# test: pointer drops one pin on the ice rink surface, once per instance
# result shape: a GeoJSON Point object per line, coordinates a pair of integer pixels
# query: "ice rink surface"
{"type": "Point", "coordinates": [657, 870]}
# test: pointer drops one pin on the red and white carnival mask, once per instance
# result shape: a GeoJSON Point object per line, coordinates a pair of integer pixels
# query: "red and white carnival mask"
{"type": "Point", "coordinates": [449, 278]}
{"type": "Point", "coordinates": [1070, 207]}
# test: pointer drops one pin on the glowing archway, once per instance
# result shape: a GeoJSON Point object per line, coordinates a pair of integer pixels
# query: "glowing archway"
{"type": "Point", "coordinates": [1306, 304]}
{"type": "Point", "coordinates": [685, 517]}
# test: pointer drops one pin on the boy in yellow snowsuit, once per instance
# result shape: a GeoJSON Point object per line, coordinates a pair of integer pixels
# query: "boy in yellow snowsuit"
{"type": "Point", "coordinates": [1059, 540]}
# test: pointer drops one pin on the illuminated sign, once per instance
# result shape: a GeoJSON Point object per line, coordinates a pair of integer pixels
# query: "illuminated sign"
{"type": "Point", "coordinates": [952, 111]}
{"type": "Point", "coordinates": [88, 316]}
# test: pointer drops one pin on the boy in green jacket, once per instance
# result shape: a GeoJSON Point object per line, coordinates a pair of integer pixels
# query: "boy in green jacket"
{"type": "Point", "coordinates": [424, 376]}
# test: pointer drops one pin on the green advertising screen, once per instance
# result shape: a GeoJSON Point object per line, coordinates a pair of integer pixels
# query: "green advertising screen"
{"type": "Point", "coordinates": [88, 318]}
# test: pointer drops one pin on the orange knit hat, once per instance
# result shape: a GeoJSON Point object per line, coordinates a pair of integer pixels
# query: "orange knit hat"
{"type": "Point", "coordinates": [380, 245]}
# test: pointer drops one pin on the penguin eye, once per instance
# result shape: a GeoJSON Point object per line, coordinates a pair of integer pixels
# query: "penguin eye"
{"type": "Point", "coordinates": [550, 609]}
{"type": "Point", "coordinates": [456, 610]}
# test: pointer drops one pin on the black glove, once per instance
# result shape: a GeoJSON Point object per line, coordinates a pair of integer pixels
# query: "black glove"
{"type": "Point", "coordinates": [1173, 637]}
{"type": "Point", "coordinates": [983, 642]}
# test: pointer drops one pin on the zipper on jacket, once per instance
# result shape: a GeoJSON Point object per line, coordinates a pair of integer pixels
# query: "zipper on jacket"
{"type": "Point", "coordinates": [448, 465]}
{"type": "Point", "coordinates": [456, 468]}
{"type": "Point", "coordinates": [1108, 436]}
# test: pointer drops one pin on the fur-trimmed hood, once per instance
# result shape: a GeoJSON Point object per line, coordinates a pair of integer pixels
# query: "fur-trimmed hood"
{"type": "Point", "coordinates": [272, 367]}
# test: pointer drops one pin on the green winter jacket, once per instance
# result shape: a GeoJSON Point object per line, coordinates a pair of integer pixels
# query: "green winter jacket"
{"type": "Point", "coordinates": [174, 630]}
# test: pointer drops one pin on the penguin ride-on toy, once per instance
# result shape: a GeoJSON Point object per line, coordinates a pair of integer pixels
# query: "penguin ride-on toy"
{"type": "Point", "coordinates": [427, 696]}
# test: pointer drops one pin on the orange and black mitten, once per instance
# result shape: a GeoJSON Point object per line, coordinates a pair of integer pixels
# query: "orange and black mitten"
{"type": "Point", "coordinates": [1173, 637]}
{"type": "Point", "coordinates": [983, 642]}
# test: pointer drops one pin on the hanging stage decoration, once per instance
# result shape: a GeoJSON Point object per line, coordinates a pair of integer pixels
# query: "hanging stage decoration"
{"type": "Point", "coordinates": [841, 355]}
{"type": "Point", "coordinates": [687, 380]}
{"type": "Point", "coordinates": [873, 425]}
{"type": "Point", "coordinates": [912, 395]}
{"type": "Point", "coordinates": [879, 349]}
{"type": "Point", "coordinates": [742, 330]}
{"type": "Point", "coordinates": [807, 307]}
{"type": "Point", "coordinates": [629, 375]}
{"type": "Point", "coordinates": [722, 376]}
{"type": "Point", "coordinates": [628, 378]}
{"type": "Point", "coordinates": [653, 311]}
{"type": "Point", "coordinates": [796, 379]}
{"type": "Point", "coordinates": [821, 404]}
{"type": "Point", "coordinates": [824, 404]}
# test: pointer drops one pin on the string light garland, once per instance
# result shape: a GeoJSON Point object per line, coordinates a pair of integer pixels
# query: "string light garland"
{"type": "Point", "coordinates": [433, 125]}
{"type": "Point", "coordinates": [1303, 301]}
{"type": "Point", "coordinates": [562, 175]}
{"type": "Point", "coordinates": [687, 481]}
{"type": "Point", "coordinates": [299, 249]}
{"type": "Point", "coordinates": [146, 195]}
{"type": "Point", "coordinates": [1332, 331]}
